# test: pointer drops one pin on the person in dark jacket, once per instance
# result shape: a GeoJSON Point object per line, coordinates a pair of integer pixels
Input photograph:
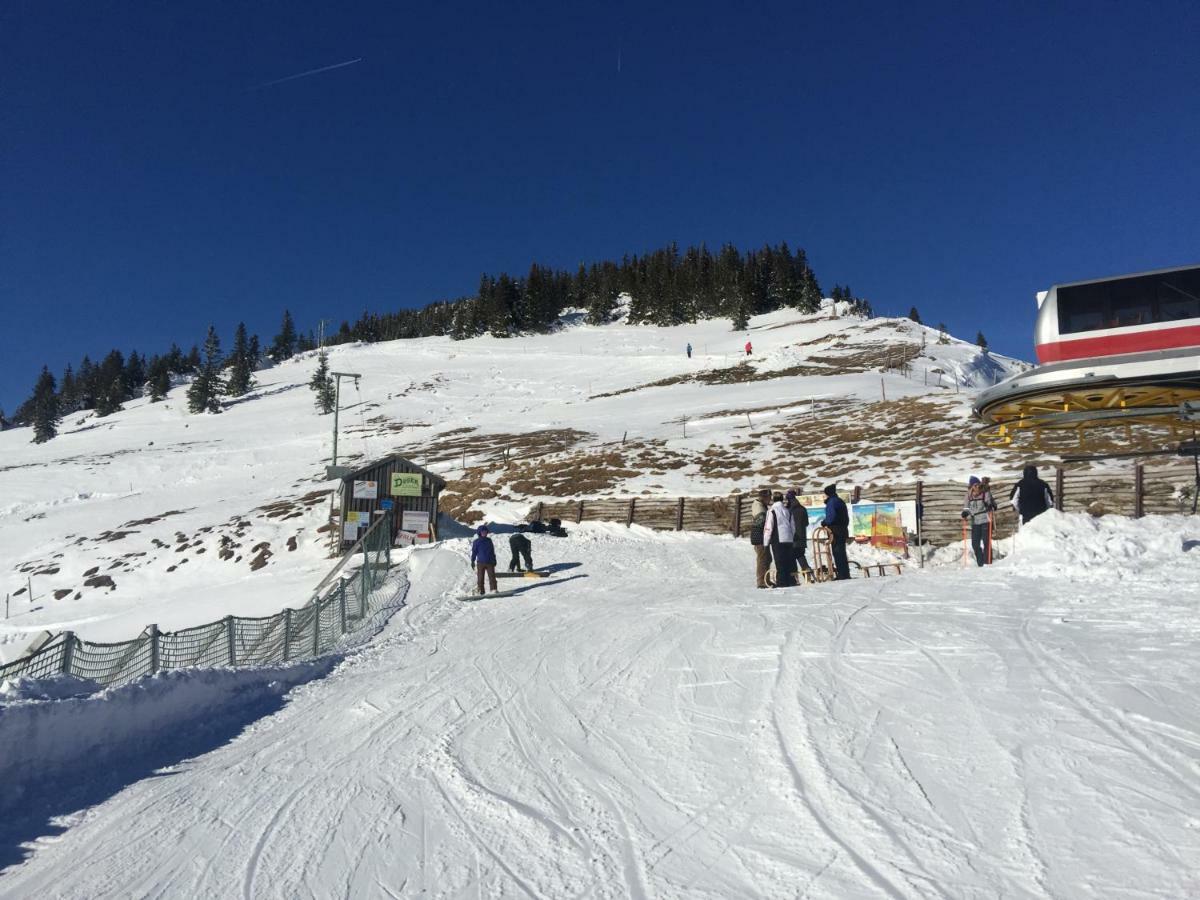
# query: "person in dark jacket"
{"type": "Point", "coordinates": [800, 523]}
{"type": "Point", "coordinates": [762, 555]}
{"type": "Point", "coordinates": [521, 548]}
{"type": "Point", "coordinates": [1031, 496]}
{"type": "Point", "coordinates": [689, 351]}
{"type": "Point", "coordinates": [837, 520]}
{"type": "Point", "coordinates": [483, 559]}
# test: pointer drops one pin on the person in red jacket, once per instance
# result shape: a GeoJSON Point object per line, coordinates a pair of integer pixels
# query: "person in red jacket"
{"type": "Point", "coordinates": [749, 348]}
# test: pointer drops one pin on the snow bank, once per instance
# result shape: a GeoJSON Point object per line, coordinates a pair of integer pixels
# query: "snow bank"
{"type": "Point", "coordinates": [47, 729]}
{"type": "Point", "coordinates": [1080, 546]}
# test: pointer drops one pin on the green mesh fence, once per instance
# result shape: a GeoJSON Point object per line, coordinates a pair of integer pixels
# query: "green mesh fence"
{"type": "Point", "coordinates": [349, 605]}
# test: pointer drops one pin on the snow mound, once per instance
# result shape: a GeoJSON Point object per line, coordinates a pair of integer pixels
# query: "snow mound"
{"type": "Point", "coordinates": [1083, 547]}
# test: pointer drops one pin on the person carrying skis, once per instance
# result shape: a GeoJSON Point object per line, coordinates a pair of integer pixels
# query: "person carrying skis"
{"type": "Point", "coordinates": [689, 350]}
{"type": "Point", "coordinates": [778, 534]}
{"type": "Point", "coordinates": [800, 524]}
{"type": "Point", "coordinates": [483, 559]}
{"type": "Point", "coordinates": [1031, 496]}
{"type": "Point", "coordinates": [521, 548]}
{"type": "Point", "coordinates": [749, 348]}
{"type": "Point", "coordinates": [837, 520]}
{"type": "Point", "coordinates": [758, 520]}
{"type": "Point", "coordinates": [977, 512]}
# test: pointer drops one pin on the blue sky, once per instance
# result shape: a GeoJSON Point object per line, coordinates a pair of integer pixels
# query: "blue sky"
{"type": "Point", "coordinates": [956, 157]}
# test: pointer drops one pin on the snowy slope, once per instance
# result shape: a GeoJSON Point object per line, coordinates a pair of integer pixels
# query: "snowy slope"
{"type": "Point", "coordinates": [649, 725]}
{"type": "Point", "coordinates": [155, 515]}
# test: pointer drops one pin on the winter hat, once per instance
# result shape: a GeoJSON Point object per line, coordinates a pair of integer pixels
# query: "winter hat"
{"type": "Point", "coordinates": [481, 531]}
{"type": "Point", "coordinates": [830, 490]}
{"type": "Point", "coordinates": [972, 481]}
{"type": "Point", "coordinates": [791, 495]}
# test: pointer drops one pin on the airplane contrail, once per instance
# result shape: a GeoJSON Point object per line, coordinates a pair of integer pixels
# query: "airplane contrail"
{"type": "Point", "coordinates": [340, 65]}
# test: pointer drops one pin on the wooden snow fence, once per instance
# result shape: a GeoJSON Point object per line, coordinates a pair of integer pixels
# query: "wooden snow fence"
{"type": "Point", "coordinates": [1132, 490]}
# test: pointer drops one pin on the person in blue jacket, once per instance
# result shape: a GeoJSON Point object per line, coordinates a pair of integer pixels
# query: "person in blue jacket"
{"type": "Point", "coordinates": [689, 351]}
{"type": "Point", "coordinates": [483, 559]}
{"type": "Point", "coordinates": [837, 520]}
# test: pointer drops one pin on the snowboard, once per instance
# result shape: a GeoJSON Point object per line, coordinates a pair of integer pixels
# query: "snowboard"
{"type": "Point", "coordinates": [469, 598]}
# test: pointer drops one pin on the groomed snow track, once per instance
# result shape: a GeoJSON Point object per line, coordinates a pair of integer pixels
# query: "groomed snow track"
{"type": "Point", "coordinates": [648, 725]}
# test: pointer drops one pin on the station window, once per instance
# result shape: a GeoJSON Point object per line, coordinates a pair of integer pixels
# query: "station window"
{"type": "Point", "coordinates": [1179, 295]}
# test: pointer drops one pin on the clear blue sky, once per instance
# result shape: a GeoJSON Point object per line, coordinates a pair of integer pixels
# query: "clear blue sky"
{"type": "Point", "coordinates": [957, 158]}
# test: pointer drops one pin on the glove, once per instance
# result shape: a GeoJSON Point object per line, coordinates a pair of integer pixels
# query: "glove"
{"type": "Point", "coordinates": [964, 515]}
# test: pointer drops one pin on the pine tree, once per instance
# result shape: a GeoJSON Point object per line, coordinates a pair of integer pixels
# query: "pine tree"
{"type": "Point", "coordinates": [981, 340]}
{"type": "Point", "coordinates": [159, 373]}
{"type": "Point", "coordinates": [135, 375]}
{"type": "Point", "coordinates": [204, 394]}
{"type": "Point", "coordinates": [110, 384]}
{"type": "Point", "coordinates": [914, 315]}
{"type": "Point", "coordinates": [241, 367]}
{"type": "Point", "coordinates": [284, 345]}
{"type": "Point", "coordinates": [68, 394]}
{"type": "Point", "coordinates": [45, 414]}
{"type": "Point", "coordinates": [943, 334]}
{"type": "Point", "coordinates": [322, 385]}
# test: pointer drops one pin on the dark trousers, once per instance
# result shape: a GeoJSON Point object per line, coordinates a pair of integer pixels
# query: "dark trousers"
{"type": "Point", "coordinates": [524, 552]}
{"type": "Point", "coordinates": [800, 550]}
{"type": "Point", "coordinates": [785, 565]}
{"type": "Point", "coordinates": [488, 569]}
{"type": "Point", "coordinates": [981, 543]}
{"type": "Point", "coordinates": [841, 565]}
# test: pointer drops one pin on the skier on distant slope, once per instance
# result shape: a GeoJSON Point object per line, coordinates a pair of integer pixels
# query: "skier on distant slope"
{"type": "Point", "coordinates": [977, 510]}
{"type": "Point", "coordinates": [837, 520]}
{"type": "Point", "coordinates": [689, 350]}
{"type": "Point", "coordinates": [483, 559]}
{"type": "Point", "coordinates": [1031, 496]}
{"type": "Point", "coordinates": [778, 532]}
{"type": "Point", "coordinates": [749, 348]}
{"type": "Point", "coordinates": [758, 521]}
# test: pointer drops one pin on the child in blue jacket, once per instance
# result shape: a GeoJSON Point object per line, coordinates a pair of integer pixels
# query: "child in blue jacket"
{"type": "Point", "coordinates": [483, 559]}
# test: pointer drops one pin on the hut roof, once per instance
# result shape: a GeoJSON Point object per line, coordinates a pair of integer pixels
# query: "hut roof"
{"type": "Point", "coordinates": [437, 479]}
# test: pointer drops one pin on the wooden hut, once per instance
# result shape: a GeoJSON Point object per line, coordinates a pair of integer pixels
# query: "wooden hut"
{"type": "Point", "coordinates": [392, 486]}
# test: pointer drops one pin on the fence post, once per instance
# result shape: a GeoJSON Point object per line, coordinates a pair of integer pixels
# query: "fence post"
{"type": "Point", "coordinates": [1058, 488]}
{"type": "Point", "coordinates": [68, 651]}
{"type": "Point", "coordinates": [1139, 490]}
{"type": "Point", "coordinates": [579, 514]}
{"type": "Point", "coordinates": [920, 515]}
{"type": "Point", "coordinates": [316, 648]}
{"type": "Point", "coordinates": [857, 495]}
{"type": "Point", "coordinates": [230, 639]}
{"type": "Point", "coordinates": [541, 508]}
{"type": "Point", "coordinates": [679, 516]}
{"type": "Point", "coordinates": [287, 633]}
{"type": "Point", "coordinates": [153, 629]}
{"type": "Point", "coordinates": [737, 515]}
{"type": "Point", "coordinates": [629, 516]}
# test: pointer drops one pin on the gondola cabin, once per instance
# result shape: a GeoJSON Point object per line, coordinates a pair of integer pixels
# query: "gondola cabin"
{"type": "Point", "coordinates": [1147, 312]}
{"type": "Point", "coordinates": [394, 487]}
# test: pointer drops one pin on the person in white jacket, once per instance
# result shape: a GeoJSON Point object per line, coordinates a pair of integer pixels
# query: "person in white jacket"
{"type": "Point", "coordinates": [778, 534]}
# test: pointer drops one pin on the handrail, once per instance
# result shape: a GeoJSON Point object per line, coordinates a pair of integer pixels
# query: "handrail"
{"type": "Point", "coordinates": [346, 557]}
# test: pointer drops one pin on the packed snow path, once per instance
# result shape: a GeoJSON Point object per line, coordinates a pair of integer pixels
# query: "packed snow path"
{"type": "Point", "coordinates": [649, 725]}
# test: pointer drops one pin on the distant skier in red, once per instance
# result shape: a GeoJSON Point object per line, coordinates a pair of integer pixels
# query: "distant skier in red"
{"type": "Point", "coordinates": [749, 348]}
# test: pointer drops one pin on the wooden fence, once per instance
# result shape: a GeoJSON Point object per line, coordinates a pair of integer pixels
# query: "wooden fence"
{"type": "Point", "coordinates": [1135, 491]}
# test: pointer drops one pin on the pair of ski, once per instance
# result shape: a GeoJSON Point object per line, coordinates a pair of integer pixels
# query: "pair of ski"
{"type": "Point", "coordinates": [468, 598]}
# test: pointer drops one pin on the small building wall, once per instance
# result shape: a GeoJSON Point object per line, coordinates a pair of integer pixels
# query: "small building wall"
{"type": "Point", "coordinates": [381, 473]}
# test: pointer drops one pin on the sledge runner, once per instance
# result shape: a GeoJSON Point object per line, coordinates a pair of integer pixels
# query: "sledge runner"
{"type": "Point", "coordinates": [778, 534]}
{"type": "Point", "coordinates": [483, 559]}
{"type": "Point", "coordinates": [978, 507]}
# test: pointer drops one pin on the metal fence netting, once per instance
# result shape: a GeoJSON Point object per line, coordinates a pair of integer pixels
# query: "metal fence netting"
{"type": "Point", "coordinates": [346, 609]}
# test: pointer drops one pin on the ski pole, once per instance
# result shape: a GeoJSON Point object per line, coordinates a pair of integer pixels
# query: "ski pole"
{"type": "Point", "coordinates": [964, 556]}
{"type": "Point", "coordinates": [989, 553]}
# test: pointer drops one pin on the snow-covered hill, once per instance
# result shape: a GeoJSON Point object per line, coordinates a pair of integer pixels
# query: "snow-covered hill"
{"type": "Point", "coordinates": [155, 515]}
